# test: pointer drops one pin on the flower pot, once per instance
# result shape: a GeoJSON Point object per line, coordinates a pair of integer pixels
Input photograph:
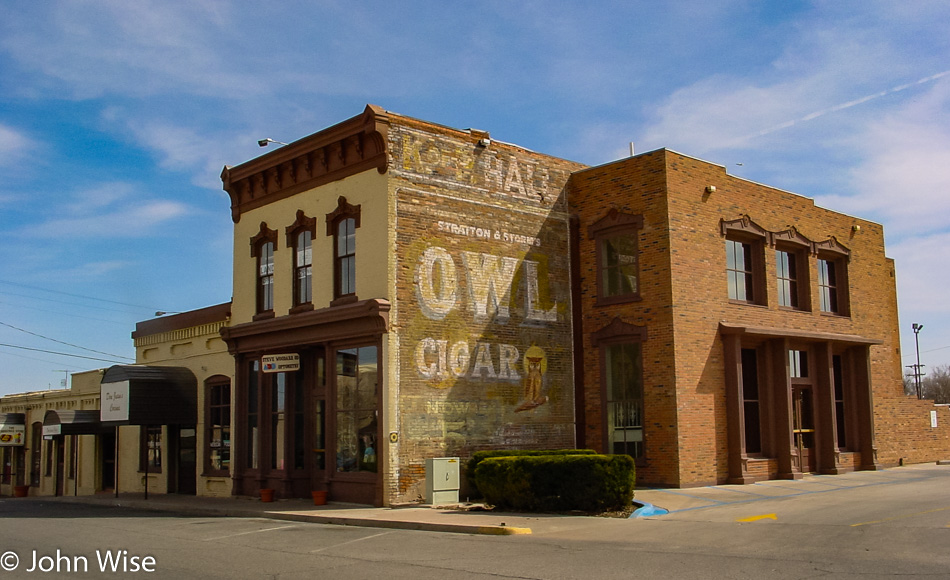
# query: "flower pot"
{"type": "Point", "coordinates": [319, 497]}
{"type": "Point", "coordinates": [267, 495]}
{"type": "Point", "coordinates": [21, 490]}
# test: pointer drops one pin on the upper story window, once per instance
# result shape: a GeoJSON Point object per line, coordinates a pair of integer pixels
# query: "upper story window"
{"type": "Point", "coordinates": [300, 237]}
{"type": "Point", "coordinates": [833, 277]}
{"type": "Point", "coordinates": [616, 236]}
{"type": "Point", "coordinates": [263, 246]}
{"type": "Point", "coordinates": [786, 267]}
{"type": "Point", "coordinates": [342, 224]}
{"type": "Point", "coordinates": [739, 271]}
{"type": "Point", "coordinates": [345, 259]}
{"type": "Point", "coordinates": [792, 252]}
{"type": "Point", "coordinates": [265, 277]}
{"type": "Point", "coordinates": [303, 268]}
{"type": "Point", "coordinates": [745, 260]}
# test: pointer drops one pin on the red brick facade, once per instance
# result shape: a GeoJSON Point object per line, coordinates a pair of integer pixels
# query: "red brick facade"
{"type": "Point", "coordinates": [485, 303]}
{"type": "Point", "coordinates": [689, 208]}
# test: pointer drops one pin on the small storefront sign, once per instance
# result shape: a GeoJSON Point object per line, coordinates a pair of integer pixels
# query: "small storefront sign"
{"type": "Point", "coordinates": [279, 363]}
{"type": "Point", "coordinates": [11, 435]}
{"type": "Point", "coordinates": [114, 398]}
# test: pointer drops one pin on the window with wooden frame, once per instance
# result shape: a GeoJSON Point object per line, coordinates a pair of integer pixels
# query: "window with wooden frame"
{"type": "Point", "coordinates": [263, 246]}
{"type": "Point", "coordinates": [751, 404]}
{"type": "Point", "coordinates": [833, 278]}
{"type": "Point", "coordinates": [622, 392]}
{"type": "Point", "coordinates": [342, 224]}
{"type": "Point", "coordinates": [217, 425]}
{"type": "Point", "coordinates": [791, 269]}
{"type": "Point", "coordinates": [150, 448]}
{"type": "Point", "coordinates": [745, 260]}
{"type": "Point", "coordinates": [300, 236]}
{"type": "Point", "coordinates": [616, 237]}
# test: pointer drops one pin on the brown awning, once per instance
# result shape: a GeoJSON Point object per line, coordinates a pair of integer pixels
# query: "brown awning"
{"type": "Point", "coordinates": [61, 422]}
{"type": "Point", "coordinates": [148, 395]}
{"type": "Point", "coordinates": [768, 332]}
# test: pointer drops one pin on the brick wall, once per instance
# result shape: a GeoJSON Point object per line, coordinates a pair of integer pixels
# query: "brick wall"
{"type": "Point", "coordinates": [483, 306]}
{"type": "Point", "coordinates": [684, 300]}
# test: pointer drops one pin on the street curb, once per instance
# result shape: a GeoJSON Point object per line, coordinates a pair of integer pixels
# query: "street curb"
{"type": "Point", "coordinates": [396, 524]}
{"type": "Point", "coordinates": [308, 518]}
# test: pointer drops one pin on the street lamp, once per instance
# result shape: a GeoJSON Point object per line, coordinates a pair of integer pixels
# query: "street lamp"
{"type": "Point", "coordinates": [917, 328]}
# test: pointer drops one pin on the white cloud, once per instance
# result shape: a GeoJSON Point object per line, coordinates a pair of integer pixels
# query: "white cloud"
{"type": "Point", "coordinates": [107, 210]}
{"type": "Point", "coordinates": [15, 146]}
{"type": "Point", "coordinates": [902, 178]}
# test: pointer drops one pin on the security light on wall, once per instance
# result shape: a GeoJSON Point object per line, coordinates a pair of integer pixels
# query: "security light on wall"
{"type": "Point", "coordinates": [264, 142]}
{"type": "Point", "coordinates": [710, 189]}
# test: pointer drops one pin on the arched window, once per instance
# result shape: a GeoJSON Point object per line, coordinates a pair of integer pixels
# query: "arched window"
{"type": "Point", "coordinates": [263, 246]}
{"type": "Point", "coordinates": [342, 224]}
{"type": "Point", "coordinates": [300, 237]}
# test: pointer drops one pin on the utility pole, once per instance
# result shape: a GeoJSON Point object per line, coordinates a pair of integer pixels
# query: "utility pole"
{"type": "Point", "coordinates": [917, 374]}
{"type": "Point", "coordinates": [65, 382]}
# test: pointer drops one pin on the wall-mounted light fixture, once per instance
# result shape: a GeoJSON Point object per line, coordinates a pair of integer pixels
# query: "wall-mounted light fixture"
{"type": "Point", "coordinates": [710, 189]}
{"type": "Point", "coordinates": [855, 229]}
{"type": "Point", "coordinates": [264, 142]}
{"type": "Point", "coordinates": [484, 142]}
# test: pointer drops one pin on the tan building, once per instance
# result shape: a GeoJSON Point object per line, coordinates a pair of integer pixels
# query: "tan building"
{"type": "Point", "coordinates": [412, 279]}
{"type": "Point", "coordinates": [54, 444]}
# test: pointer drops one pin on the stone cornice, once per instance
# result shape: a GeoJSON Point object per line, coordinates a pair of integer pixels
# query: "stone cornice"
{"type": "Point", "coordinates": [353, 146]}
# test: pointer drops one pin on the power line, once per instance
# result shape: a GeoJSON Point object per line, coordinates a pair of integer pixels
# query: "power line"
{"type": "Point", "coordinates": [62, 353]}
{"type": "Point", "coordinates": [74, 295]}
{"type": "Point", "coordinates": [65, 343]}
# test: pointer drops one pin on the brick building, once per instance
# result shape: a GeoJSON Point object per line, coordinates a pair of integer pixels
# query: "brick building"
{"type": "Point", "coordinates": [401, 292]}
{"type": "Point", "coordinates": [727, 331]}
{"type": "Point", "coordinates": [404, 291]}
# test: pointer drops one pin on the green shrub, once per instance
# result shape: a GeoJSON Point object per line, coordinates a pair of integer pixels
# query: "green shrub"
{"type": "Point", "coordinates": [480, 456]}
{"type": "Point", "coordinates": [557, 482]}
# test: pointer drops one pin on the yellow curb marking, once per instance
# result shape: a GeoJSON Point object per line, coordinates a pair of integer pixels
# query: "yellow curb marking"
{"type": "Point", "coordinates": [901, 517]}
{"type": "Point", "coordinates": [499, 531]}
{"type": "Point", "coordinates": [757, 518]}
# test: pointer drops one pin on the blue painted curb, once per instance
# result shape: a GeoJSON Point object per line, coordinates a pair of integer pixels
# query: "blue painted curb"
{"type": "Point", "coordinates": [646, 510]}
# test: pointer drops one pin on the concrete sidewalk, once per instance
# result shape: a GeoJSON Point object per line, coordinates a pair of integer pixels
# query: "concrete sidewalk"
{"type": "Point", "coordinates": [470, 520]}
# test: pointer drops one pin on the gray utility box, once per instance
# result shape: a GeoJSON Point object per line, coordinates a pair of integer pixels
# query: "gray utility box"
{"type": "Point", "coordinates": [442, 480]}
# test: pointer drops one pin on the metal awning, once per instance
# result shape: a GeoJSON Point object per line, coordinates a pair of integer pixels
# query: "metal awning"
{"type": "Point", "coordinates": [61, 422]}
{"type": "Point", "coordinates": [12, 419]}
{"type": "Point", "coordinates": [148, 395]}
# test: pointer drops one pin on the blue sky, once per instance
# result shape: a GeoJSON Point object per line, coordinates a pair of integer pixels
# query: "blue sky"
{"type": "Point", "coordinates": [116, 118]}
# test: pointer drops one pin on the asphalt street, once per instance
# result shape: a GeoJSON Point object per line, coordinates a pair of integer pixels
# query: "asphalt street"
{"type": "Point", "coordinates": [879, 525]}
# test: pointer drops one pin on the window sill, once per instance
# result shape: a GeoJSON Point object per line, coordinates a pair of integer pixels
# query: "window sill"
{"type": "Point", "coordinates": [263, 315]}
{"type": "Point", "coordinates": [611, 300]}
{"type": "Point", "coordinates": [744, 303]}
{"type": "Point", "coordinates": [221, 474]}
{"type": "Point", "coordinates": [348, 299]}
{"type": "Point", "coordinates": [300, 308]}
{"type": "Point", "coordinates": [834, 314]}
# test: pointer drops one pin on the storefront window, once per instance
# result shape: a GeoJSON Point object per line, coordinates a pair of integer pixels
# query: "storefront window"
{"type": "Point", "coordinates": [357, 384]}
{"type": "Point", "coordinates": [218, 430]}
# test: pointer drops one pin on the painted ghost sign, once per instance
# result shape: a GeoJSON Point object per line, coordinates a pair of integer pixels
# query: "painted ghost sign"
{"type": "Point", "coordinates": [483, 290]}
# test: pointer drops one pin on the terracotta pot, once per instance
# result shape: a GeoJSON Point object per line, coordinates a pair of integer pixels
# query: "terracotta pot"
{"type": "Point", "coordinates": [267, 495]}
{"type": "Point", "coordinates": [319, 497]}
{"type": "Point", "coordinates": [21, 490]}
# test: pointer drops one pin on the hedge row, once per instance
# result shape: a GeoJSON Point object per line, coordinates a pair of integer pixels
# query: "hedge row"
{"type": "Point", "coordinates": [557, 482]}
{"type": "Point", "coordinates": [480, 456]}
